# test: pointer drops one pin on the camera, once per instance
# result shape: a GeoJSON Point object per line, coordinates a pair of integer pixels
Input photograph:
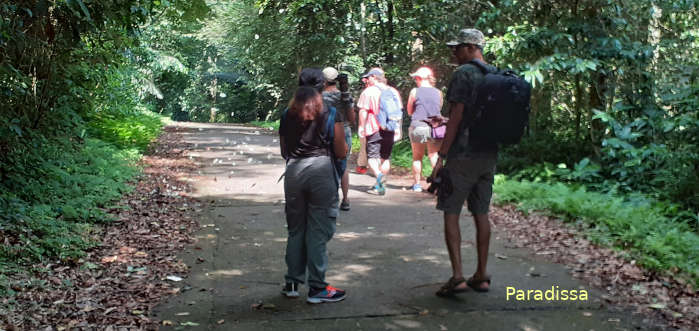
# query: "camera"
{"type": "Point", "coordinates": [344, 82]}
{"type": "Point", "coordinates": [435, 182]}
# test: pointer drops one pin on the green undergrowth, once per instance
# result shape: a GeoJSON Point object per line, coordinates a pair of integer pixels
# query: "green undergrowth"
{"type": "Point", "coordinates": [54, 191]}
{"type": "Point", "coordinates": [270, 125]}
{"type": "Point", "coordinates": [402, 156]}
{"type": "Point", "coordinates": [634, 224]}
{"type": "Point", "coordinates": [128, 131]}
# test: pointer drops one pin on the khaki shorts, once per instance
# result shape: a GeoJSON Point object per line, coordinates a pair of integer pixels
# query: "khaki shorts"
{"type": "Point", "coordinates": [472, 180]}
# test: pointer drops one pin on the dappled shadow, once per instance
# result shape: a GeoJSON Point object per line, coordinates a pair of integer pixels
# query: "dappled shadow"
{"type": "Point", "coordinates": [388, 252]}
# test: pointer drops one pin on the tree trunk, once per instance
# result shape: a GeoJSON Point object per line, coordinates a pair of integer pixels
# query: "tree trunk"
{"type": "Point", "coordinates": [598, 91]}
{"type": "Point", "coordinates": [391, 32]}
{"type": "Point", "coordinates": [363, 32]}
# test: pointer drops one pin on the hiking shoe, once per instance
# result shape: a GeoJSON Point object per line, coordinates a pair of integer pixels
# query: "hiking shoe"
{"type": "Point", "coordinates": [327, 294]}
{"type": "Point", "coordinates": [377, 190]}
{"type": "Point", "coordinates": [291, 290]}
{"type": "Point", "coordinates": [345, 205]}
{"type": "Point", "coordinates": [361, 170]}
{"type": "Point", "coordinates": [416, 188]}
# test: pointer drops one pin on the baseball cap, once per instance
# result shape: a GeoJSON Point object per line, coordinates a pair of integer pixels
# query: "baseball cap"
{"type": "Point", "coordinates": [468, 36]}
{"type": "Point", "coordinates": [330, 74]}
{"type": "Point", "coordinates": [422, 72]}
{"type": "Point", "coordinates": [374, 72]}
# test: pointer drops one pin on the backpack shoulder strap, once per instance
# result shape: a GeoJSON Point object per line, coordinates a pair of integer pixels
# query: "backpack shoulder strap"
{"type": "Point", "coordinates": [330, 124]}
{"type": "Point", "coordinates": [480, 65]}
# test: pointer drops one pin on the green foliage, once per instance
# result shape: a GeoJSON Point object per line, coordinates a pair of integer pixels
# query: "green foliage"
{"type": "Point", "coordinates": [52, 193]}
{"type": "Point", "coordinates": [402, 156]}
{"type": "Point", "coordinates": [127, 131]}
{"type": "Point", "coordinates": [638, 225]}
{"type": "Point", "coordinates": [269, 125]}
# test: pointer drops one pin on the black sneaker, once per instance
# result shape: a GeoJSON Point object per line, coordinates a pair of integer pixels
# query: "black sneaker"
{"type": "Point", "coordinates": [327, 294]}
{"type": "Point", "coordinates": [291, 290]}
{"type": "Point", "coordinates": [345, 205]}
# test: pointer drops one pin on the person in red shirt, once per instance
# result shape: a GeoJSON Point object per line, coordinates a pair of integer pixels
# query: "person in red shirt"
{"type": "Point", "coordinates": [379, 143]}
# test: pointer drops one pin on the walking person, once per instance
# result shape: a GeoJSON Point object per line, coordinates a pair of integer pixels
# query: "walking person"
{"type": "Point", "coordinates": [424, 101]}
{"type": "Point", "coordinates": [379, 141]}
{"type": "Point", "coordinates": [310, 189]}
{"type": "Point", "coordinates": [362, 160]}
{"type": "Point", "coordinates": [343, 103]}
{"type": "Point", "coordinates": [470, 165]}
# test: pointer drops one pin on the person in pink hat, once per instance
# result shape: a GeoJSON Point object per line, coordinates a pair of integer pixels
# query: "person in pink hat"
{"type": "Point", "coordinates": [424, 102]}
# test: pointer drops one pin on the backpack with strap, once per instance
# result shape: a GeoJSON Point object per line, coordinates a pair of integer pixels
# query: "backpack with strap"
{"type": "Point", "coordinates": [390, 112]}
{"type": "Point", "coordinates": [502, 105]}
{"type": "Point", "coordinates": [339, 165]}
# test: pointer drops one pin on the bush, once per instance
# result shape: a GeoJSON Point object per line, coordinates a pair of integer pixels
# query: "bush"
{"type": "Point", "coordinates": [637, 224]}
{"type": "Point", "coordinates": [53, 194]}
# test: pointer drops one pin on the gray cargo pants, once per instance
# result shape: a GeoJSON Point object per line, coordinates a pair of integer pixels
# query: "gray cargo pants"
{"type": "Point", "coordinates": [311, 196]}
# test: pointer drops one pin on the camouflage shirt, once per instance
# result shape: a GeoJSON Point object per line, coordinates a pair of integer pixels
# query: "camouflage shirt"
{"type": "Point", "coordinates": [334, 99]}
{"type": "Point", "coordinates": [462, 89]}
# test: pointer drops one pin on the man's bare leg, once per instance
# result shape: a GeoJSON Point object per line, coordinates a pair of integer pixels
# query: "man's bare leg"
{"type": "Point", "coordinates": [452, 235]}
{"type": "Point", "coordinates": [482, 245]}
{"type": "Point", "coordinates": [344, 185]}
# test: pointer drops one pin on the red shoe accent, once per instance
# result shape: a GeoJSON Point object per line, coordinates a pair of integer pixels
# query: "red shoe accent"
{"type": "Point", "coordinates": [361, 170]}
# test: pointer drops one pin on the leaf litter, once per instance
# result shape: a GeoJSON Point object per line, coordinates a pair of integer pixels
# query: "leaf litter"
{"type": "Point", "coordinates": [658, 297]}
{"type": "Point", "coordinates": [116, 285]}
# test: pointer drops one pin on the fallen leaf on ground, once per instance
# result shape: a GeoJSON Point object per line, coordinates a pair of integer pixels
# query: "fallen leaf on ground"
{"type": "Point", "coordinates": [174, 278]}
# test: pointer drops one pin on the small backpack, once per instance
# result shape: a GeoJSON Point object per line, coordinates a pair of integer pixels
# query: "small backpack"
{"type": "Point", "coordinates": [390, 112]}
{"type": "Point", "coordinates": [339, 165]}
{"type": "Point", "coordinates": [502, 105]}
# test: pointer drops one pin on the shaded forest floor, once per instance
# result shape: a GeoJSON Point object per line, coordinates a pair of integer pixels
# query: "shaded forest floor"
{"type": "Point", "coordinates": [117, 284]}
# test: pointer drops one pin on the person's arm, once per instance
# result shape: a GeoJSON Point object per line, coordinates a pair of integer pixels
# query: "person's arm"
{"type": "Point", "coordinates": [363, 114]}
{"type": "Point", "coordinates": [410, 107]}
{"type": "Point", "coordinates": [348, 107]}
{"type": "Point", "coordinates": [455, 115]}
{"type": "Point", "coordinates": [282, 145]}
{"type": "Point", "coordinates": [339, 144]}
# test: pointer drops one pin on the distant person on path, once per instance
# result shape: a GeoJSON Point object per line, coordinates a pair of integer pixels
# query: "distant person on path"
{"type": "Point", "coordinates": [470, 165]}
{"type": "Point", "coordinates": [310, 189]}
{"type": "Point", "coordinates": [342, 101]}
{"type": "Point", "coordinates": [379, 142]}
{"type": "Point", "coordinates": [362, 160]}
{"type": "Point", "coordinates": [424, 101]}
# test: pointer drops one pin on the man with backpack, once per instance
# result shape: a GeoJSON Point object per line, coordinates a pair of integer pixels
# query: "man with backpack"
{"type": "Point", "coordinates": [470, 164]}
{"type": "Point", "coordinates": [378, 125]}
{"type": "Point", "coordinates": [341, 99]}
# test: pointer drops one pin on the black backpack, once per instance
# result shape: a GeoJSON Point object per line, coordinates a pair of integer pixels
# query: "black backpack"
{"type": "Point", "coordinates": [502, 105]}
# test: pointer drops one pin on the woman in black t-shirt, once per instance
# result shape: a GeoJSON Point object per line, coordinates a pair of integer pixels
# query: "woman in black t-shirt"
{"type": "Point", "coordinates": [310, 189]}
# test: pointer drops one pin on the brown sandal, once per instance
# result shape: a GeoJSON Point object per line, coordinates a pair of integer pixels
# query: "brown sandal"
{"type": "Point", "coordinates": [449, 288]}
{"type": "Point", "coordinates": [475, 284]}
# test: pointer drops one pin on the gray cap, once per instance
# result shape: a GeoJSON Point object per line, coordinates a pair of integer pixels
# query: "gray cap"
{"type": "Point", "coordinates": [468, 36]}
{"type": "Point", "coordinates": [374, 72]}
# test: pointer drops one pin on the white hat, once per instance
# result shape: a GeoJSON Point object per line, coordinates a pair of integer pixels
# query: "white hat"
{"type": "Point", "coordinates": [422, 72]}
{"type": "Point", "coordinates": [330, 74]}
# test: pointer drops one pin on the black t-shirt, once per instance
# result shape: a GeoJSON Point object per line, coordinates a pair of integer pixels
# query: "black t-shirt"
{"type": "Point", "coordinates": [309, 140]}
{"type": "Point", "coordinates": [462, 89]}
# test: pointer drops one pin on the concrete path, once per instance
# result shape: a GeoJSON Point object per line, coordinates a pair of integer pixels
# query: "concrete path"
{"type": "Point", "coordinates": [388, 253]}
